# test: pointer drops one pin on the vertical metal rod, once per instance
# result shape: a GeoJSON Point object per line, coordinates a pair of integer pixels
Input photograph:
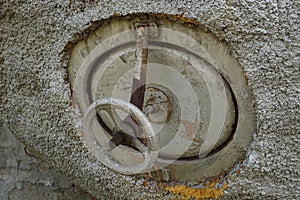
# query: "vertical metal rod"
{"type": "Point", "coordinates": [140, 69]}
{"type": "Point", "coordinates": [139, 81]}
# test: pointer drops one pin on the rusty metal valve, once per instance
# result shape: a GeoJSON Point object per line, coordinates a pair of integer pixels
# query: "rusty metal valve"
{"type": "Point", "coordinates": [190, 88]}
{"type": "Point", "coordinates": [150, 152]}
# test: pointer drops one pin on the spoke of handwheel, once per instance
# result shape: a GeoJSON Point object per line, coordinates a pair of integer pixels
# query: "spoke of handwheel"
{"type": "Point", "coordinates": [116, 140]}
{"type": "Point", "coordinates": [112, 144]}
{"type": "Point", "coordinates": [104, 151]}
{"type": "Point", "coordinates": [139, 145]}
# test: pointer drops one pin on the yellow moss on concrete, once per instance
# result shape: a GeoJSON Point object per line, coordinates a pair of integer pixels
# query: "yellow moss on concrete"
{"type": "Point", "coordinates": [209, 191]}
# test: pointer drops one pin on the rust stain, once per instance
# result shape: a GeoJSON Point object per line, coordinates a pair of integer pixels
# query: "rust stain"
{"type": "Point", "coordinates": [209, 191]}
{"type": "Point", "coordinates": [73, 102]}
{"type": "Point", "coordinates": [189, 128]}
{"type": "Point", "coordinates": [184, 19]}
{"type": "Point", "coordinates": [184, 72]}
{"type": "Point", "coordinates": [81, 134]}
{"type": "Point", "coordinates": [68, 45]}
{"type": "Point", "coordinates": [145, 184]}
{"type": "Point", "coordinates": [246, 77]}
{"type": "Point", "coordinates": [116, 15]}
{"type": "Point", "coordinates": [161, 15]}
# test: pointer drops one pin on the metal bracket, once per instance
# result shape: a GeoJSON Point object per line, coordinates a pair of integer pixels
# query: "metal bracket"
{"type": "Point", "coordinates": [152, 28]}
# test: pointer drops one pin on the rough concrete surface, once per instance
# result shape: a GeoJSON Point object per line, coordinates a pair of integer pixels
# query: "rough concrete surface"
{"type": "Point", "coordinates": [23, 176]}
{"type": "Point", "coordinates": [264, 38]}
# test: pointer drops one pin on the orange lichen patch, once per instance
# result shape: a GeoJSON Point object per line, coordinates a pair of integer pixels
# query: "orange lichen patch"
{"type": "Point", "coordinates": [209, 191]}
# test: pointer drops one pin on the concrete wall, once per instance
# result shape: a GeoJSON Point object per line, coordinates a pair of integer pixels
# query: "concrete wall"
{"type": "Point", "coordinates": [23, 176]}
{"type": "Point", "coordinates": [264, 37]}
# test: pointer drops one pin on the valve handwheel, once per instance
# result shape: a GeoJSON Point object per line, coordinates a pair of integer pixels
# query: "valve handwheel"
{"type": "Point", "coordinates": [150, 152]}
{"type": "Point", "coordinates": [161, 99]}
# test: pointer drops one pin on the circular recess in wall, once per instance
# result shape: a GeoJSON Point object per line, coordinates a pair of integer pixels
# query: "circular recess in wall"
{"type": "Point", "coordinates": [168, 98]}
